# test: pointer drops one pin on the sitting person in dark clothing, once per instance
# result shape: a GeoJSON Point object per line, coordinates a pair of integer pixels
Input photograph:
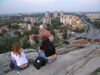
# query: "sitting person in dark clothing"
{"type": "Point", "coordinates": [47, 50]}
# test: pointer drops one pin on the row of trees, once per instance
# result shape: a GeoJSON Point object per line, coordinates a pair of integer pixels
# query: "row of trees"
{"type": "Point", "coordinates": [79, 30]}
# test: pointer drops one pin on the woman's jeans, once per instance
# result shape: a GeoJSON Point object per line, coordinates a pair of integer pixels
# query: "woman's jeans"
{"type": "Point", "coordinates": [14, 64]}
{"type": "Point", "coordinates": [41, 54]}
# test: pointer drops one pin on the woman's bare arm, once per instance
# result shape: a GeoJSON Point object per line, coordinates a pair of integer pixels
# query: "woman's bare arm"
{"type": "Point", "coordinates": [40, 50]}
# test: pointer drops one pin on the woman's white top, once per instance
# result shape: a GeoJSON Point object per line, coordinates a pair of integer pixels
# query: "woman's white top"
{"type": "Point", "coordinates": [19, 60]}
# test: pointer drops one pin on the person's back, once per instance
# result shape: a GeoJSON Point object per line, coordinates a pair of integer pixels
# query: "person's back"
{"type": "Point", "coordinates": [19, 59]}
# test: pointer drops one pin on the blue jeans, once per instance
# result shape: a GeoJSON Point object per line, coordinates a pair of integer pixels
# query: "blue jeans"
{"type": "Point", "coordinates": [41, 54]}
{"type": "Point", "coordinates": [14, 64]}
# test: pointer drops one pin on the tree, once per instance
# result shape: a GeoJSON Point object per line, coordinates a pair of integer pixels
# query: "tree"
{"type": "Point", "coordinates": [53, 33]}
{"type": "Point", "coordinates": [26, 33]}
{"type": "Point", "coordinates": [7, 42]}
{"type": "Point", "coordinates": [97, 24]}
{"type": "Point", "coordinates": [56, 39]}
{"type": "Point", "coordinates": [3, 31]}
{"type": "Point", "coordinates": [36, 39]}
{"type": "Point", "coordinates": [49, 28]}
{"type": "Point", "coordinates": [25, 43]}
{"type": "Point", "coordinates": [36, 24]}
{"type": "Point", "coordinates": [17, 33]}
{"type": "Point", "coordinates": [2, 45]}
{"type": "Point", "coordinates": [65, 34]}
{"type": "Point", "coordinates": [65, 42]}
{"type": "Point", "coordinates": [15, 26]}
{"type": "Point", "coordinates": [77, 38]}
{"type": "Point", "coordinates": [34, 31]}
{"type": "Point", "coordinates": [28, 22]}
{"type": "Point", "coordinates": [55, 25]}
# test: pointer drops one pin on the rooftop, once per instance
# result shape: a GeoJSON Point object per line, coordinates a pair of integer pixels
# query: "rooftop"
{"type": "Point", "coordinates": [81, 41]}
{"type": "Point", "coordinates": [44, 31]}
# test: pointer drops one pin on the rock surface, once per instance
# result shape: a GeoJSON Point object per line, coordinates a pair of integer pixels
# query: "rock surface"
{"type": "Point", "coordinates": [77, 62]}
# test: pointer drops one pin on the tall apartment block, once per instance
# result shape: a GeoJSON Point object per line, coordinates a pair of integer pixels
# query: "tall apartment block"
{"type": "Point", "coordinates": [61, 13]}
{"type": "Point", "coordinates": [47, 14]}
{"type": "Point", "coordinates": [47, 20]}
{"type": "Point", "coordinates": [55, 14]}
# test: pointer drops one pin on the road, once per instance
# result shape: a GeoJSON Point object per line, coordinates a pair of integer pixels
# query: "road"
{"type": "Point", "coordinates": [93, 32]}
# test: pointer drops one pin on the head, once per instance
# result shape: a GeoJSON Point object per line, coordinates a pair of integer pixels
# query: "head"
{"type": "Point", "coordinates": [16, 48]}
{"type": "Point", "coordinates": [45, 40]}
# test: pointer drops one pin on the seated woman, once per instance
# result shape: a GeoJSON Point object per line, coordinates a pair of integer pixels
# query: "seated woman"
{"type": "Point", "coordinates": [19, 60]}
{"type": "Point", "coordinates": [47, 50]}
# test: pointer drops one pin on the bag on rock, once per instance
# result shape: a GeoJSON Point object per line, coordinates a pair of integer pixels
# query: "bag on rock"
{"type": "Point", "coordinates": [40, 61]}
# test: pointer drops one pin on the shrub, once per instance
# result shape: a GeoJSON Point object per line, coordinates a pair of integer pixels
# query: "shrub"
{"type": "Point", "coordinates": [65, 42]}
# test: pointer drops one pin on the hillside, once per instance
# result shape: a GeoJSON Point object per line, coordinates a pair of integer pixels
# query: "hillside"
{"type": "Point", "coordinates": [71, 60]}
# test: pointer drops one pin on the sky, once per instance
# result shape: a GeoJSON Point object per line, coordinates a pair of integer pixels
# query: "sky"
{"type": "Point", "coordinates": [31, 6]}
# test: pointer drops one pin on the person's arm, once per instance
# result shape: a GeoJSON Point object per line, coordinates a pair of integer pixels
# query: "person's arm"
{"type": "Point", "coordinates": [40, 49]}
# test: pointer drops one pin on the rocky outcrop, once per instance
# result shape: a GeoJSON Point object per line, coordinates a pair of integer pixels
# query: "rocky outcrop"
{"type": "Point", "coordinates": [77, 68]}
{"type": "Point", "coordinates": [75, 62]}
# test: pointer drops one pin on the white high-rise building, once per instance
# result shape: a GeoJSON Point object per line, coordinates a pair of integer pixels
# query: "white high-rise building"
{"type": "Point", "coordinates": [29, 26]}
{"type": "Point", "coordinates": [61, 19]}
{"type": "Point", "coordinates": [47, 14]}
{"type": "Point", "coordinates": [55, 14]}
{"type": "Point", "coordinates": [26, 19]}
{"type": "Point", "coordinates": [46, 20]}
{"type": "Point", "coordinates": [34, 20]}
{"type": "Point", "coordinates": [61, 13]}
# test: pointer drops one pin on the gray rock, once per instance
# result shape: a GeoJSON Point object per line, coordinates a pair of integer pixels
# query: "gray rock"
{"type": "Point", "coordinates": [63, 61]}
{"type": "Point", "coordinates": [2, 73]}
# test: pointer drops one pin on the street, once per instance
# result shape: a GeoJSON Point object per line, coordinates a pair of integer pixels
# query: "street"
{"type": "Point", "coordinates": [93, 32]}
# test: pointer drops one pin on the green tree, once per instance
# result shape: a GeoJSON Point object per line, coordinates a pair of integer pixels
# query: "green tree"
{"type": "Point", "coordinates": [36, 39]}
{"type": "Point", "coordinates": [25, 43]}
{"type": "Point", "coordinates": [97, 24]}
{"type": "Point", "coordinates": [52, 32]}
{"type": "Point", "coordinates": [56, 39]}
{"type": "Point", "coordinates": [17, 33]}
{"type": "Point", "coordinates": [65, 42]}
{"type": "Point", "coordinates": [26, 33]}
{"type": "Point", "coordinates": [55, 25]}
{"type": "Point", "coordinates": [28, 22]}
{"type": "Point", "coordinates": [34, 31]}
{"type": "Point", "coordinates": [49, 28]}
{"type": "Point", "coordinates": [3, 31]}
{"type": "Point", "coordinates": [77, 38]}
{"type": "Point", "coordinates": [6, 43]}
{"type": "Point", "coordinates": [36, 24]}
{"type": "Point", "coordinates": [15, 26]}
{"type": "Point", "coordinates": [65, 35]}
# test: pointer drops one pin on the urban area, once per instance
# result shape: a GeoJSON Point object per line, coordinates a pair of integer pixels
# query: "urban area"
{"type": "Point", "coordinates": [61, 28]}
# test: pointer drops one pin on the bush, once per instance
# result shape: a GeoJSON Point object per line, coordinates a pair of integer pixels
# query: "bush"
{"type": "Point", "coordinates": [65, 42]}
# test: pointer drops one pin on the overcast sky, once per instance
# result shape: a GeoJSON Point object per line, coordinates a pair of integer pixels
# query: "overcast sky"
{"type": "Point", "coordinates": [30, 6]}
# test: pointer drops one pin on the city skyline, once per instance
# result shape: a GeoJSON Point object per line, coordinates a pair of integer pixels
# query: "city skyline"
{"type": "Point", "coordinates": [30, 6]}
